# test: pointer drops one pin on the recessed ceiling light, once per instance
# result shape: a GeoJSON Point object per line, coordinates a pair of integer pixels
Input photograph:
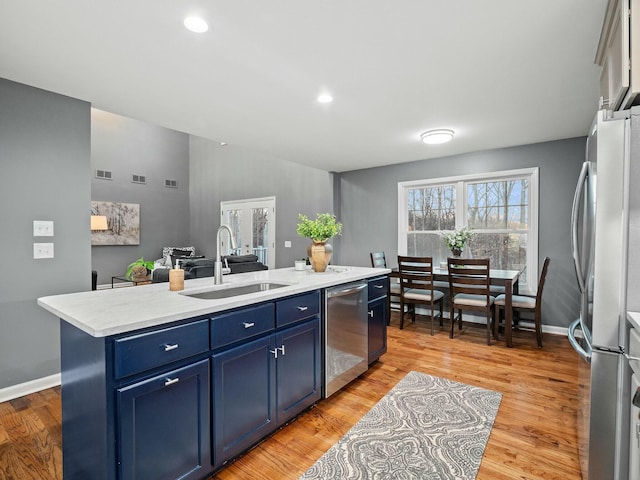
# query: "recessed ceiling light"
{"type": "Point", "coordinates": [196, 24]}
{"type": "Point", "coordinates": [325, 98]}
{"type": "Point", "coordinates": [440, 135]}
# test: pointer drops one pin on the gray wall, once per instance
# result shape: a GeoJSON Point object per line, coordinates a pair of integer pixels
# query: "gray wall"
{"type": "Point", "coordinates": [44, 153]}
{"type": "Point", "coordinates": [369, 210]}
{"type": "Point", "coordinates": [222, 173]}
{"type": "Point", "coordinates": [126, 146]}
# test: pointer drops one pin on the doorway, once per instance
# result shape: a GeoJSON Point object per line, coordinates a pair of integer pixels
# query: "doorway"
{"type": "Point", "coordinates": [253, 223]}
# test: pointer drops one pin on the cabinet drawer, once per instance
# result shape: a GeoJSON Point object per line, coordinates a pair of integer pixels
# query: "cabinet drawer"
{"type": "Point", "coordinates": [243, 324]}
{"type": "Point", "coordinates": [138, 353]}
{"type": "Point", "coordinates": [297, 308]}
{"type": "Point", "coordinates": [378, 287]}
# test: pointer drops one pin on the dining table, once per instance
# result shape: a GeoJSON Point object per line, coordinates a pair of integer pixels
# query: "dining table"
{"type": "Point", "coordinates": [509, 279]}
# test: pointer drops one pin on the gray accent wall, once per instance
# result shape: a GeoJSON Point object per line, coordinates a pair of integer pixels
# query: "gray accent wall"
{"type": "Point", "coordinates": [224, 173]}
{"type": "Point", "coordinates": [44, 153]}
{"type": "Point", "coordinates": [125, 146]}
{"type": "Point", "coordinates": [369, 210]}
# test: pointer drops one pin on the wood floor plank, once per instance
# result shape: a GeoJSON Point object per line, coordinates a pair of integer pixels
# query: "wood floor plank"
{"type": "Point", "coordinates": [533, 437]}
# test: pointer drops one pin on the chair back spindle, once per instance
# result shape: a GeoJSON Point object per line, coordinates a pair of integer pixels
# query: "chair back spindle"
{"type": "Point", "coordinates": [470, 289]}
{"type": "Point", "coordinates": [417, 287]}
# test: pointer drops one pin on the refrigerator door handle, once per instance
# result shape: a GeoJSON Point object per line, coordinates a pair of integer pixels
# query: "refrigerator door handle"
{"type": "Point", "coordinates": [574, 225]}
{"type": "Point", "coordinates": [571, 335]}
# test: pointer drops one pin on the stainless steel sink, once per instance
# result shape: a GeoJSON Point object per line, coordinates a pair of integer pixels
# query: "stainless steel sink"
{"type": "Point", "coordinates": [235, 291]}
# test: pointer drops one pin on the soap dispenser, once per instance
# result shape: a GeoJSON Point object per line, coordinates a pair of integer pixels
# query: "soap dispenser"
{"type": "Point", "coordinates": [176, 278]}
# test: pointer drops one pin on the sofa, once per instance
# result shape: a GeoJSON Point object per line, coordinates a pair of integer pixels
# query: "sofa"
{"type": "Point", "coordinates": [195, 267]}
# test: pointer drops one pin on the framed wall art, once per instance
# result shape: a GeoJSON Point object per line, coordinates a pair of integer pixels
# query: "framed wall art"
{"type": "Point", "coordinates": [123, 223]}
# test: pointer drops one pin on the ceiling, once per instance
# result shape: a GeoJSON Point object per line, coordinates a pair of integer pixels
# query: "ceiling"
{"type": "Point", "coordinates": [498, 72]}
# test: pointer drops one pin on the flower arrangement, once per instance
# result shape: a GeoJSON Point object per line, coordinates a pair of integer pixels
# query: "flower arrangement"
{"type": "Point", "coordinates": [319, 230]}
{"type": "Point", "coordinates": [457, 239]}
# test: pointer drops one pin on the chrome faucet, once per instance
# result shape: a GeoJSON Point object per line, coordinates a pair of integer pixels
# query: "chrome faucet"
{"type": "Point", "coordinates": [217, 266]}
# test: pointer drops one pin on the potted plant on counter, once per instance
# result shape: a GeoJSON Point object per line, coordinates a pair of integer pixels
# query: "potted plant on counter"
{"type": "Point", "coordinates": [137, 271]}
{"type": "Point", "coordinates": [319, 231]}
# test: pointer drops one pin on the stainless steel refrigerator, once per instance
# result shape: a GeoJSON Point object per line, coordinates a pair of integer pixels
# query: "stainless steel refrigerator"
{"type": "Point", "coordinates": [599, 234]}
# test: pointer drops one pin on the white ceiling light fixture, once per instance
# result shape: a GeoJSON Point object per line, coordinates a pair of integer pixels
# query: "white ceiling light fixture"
{"type": "Point", "coordinates": [325, 98]}
{"type": "Point", "coordinates": [434, 137]}
{"type": "Point", "coordinates": [196, 24]}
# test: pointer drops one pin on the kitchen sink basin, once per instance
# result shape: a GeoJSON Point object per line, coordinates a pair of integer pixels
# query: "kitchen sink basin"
{"type": "Point", "coordinates": [235, 291]}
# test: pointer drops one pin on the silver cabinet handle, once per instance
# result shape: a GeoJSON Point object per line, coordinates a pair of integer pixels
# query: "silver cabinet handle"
{"type": "Point", "coordinates": [275, 351]}
{"type": "Point", "coordinates": [378, 286]}
{"type": "Point", "coordinates": [371, 313]}
{"type": "Point", "coordinates": [302, 309]}
{"type": "Point", "coordinates": [248, 324]}
{"type": "Point", "coordinates": [168, 347]}
{"type": "Point", "coordinates": [171, 381]}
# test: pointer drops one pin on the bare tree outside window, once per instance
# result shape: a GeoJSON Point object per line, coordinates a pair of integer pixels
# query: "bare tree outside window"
{"type": "Point", "coordinates": [496, 207]}
{"type": "Point", "coordinates": [498, 213]}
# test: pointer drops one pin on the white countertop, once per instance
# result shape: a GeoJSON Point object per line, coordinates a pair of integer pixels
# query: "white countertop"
{"type": "Point", "coordinates": [101, 313]}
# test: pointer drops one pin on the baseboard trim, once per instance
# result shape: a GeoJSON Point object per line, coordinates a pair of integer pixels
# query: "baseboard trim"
{"type": "Point", "coordinates": [22, 389]}
{"type": "Point", "coordinates": [472, 318]}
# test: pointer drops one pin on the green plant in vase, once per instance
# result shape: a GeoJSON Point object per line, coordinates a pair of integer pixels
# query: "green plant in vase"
{"type": "Point", "coordinates": [319, 231]}
{"type": "Point", "coordinates": [139, 269]}
{"type": "Point", "coordinates": [457, 240]}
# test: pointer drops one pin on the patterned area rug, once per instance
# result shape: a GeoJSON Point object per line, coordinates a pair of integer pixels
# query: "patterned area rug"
{"type": "Point", "coordinates": [424, 428]}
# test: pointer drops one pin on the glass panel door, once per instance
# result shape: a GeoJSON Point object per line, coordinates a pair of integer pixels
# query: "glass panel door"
{"type": "Point", "coordinates": [252, 222]}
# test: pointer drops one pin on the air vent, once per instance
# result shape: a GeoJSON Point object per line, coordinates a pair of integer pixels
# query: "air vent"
{"type": "Point", "coordinates": [103, 174]}
{"type": "Point", "coordinates": [138, 178]}
{"type": "Point", "coordinates": [171, 183]}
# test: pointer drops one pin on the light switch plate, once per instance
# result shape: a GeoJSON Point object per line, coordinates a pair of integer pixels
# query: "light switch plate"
{"type": "Point", "coordinates": [43, 250]}
{"type": "Point", "coordinates": [42, 228]}
{"type": "Point", "coordinates": [287, 244]}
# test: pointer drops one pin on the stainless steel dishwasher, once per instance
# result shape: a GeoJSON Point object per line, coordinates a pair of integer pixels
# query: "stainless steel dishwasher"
{"type": "Point", "coordinates": [346, 335]}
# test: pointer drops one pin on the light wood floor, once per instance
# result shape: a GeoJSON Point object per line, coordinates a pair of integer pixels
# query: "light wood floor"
{"type": "Point", "coordinates": [533, 436]}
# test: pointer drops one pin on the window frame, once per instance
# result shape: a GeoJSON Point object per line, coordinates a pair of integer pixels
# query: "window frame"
{"type": "Point", "coordinates": [461, 182]}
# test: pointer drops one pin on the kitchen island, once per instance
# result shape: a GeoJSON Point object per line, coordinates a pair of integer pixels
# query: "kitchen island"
{"type": "Point", "coordinates": [162, 384]}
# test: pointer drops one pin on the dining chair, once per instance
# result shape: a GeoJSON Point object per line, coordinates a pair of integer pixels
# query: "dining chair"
{"type": "Point", "coordinates": [416, 287]}
{"type": "Point", "coordinates": [524, 303]}
{"type": "Point", "coordinates": [379, 260]}
{"type": "Point", "coordinates": [469, 289]}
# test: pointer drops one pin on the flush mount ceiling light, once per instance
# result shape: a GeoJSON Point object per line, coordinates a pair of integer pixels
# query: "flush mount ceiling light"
{"type": "Point", "coordinates": [196, 24]}
{"type": "Point", "coordinates": [440, 135]}
{"type": "Point", "coordinates": [325, 98]}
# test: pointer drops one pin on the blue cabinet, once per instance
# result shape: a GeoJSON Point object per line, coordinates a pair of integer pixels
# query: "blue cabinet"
{"type": "Point", "coordinates": [261, 384]}
{"type": "Point", "coordinates": [298, 369]}
{"type": "Point", "coordinates": [377, 313]}
{"type": "Point", "coordinates": [164, 425]}
{"type": "Point", "coordinates": [243, 397]}
{"type": "Point", "coordinates": [177, 401]}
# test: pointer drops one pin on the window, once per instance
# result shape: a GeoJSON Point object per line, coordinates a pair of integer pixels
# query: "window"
{"type": "Point", "coordinates": [500, 207]}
